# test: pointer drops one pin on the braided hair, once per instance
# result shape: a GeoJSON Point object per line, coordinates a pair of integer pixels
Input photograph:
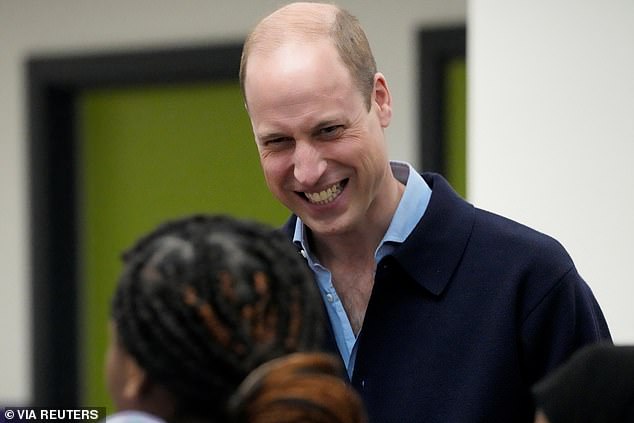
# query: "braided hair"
{"type": "Point", "coordinates": [203, 300]}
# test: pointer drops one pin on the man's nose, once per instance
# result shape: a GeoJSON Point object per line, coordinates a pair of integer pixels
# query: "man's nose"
{"type": "Point", "coordinates": [309, 165]}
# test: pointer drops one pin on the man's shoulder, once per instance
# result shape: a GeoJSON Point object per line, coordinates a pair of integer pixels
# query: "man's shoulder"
{"type": "Point", "coordinates": [506, 229]}
{"type": "Point", "coordinates": [488, 226]}
{"type": "Point", "coordinates": [492, 233]}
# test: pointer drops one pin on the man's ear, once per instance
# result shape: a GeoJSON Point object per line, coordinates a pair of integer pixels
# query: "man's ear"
{"type": "Point", "coordinates": [382, 99]}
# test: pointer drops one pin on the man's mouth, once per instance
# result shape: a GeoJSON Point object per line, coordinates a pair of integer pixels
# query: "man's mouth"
{"type": "Point", "coordinates": [328, 195]}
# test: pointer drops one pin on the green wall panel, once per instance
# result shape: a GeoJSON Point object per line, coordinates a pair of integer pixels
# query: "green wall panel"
{"type": "Point", "coordinates": [455, 124]}
{"type": "Point", "coordinates": [146, 155]}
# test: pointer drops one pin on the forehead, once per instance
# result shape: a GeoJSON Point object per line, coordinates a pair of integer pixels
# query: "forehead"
{"type": "Point", "coordinates": [294, 65]}
{"type": "Point", "coordinates": [298, 79]}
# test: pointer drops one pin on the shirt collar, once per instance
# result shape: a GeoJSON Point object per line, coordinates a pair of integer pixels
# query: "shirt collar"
{"type": "Point", "coordinates": [412, 205]}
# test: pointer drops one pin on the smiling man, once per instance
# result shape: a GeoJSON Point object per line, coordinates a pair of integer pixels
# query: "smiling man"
{"type": "Point", "coordinates": [440, 311]}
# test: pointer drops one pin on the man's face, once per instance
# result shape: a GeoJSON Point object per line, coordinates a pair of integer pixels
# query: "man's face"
{"type": "Point", "coordinates": [322, 151]}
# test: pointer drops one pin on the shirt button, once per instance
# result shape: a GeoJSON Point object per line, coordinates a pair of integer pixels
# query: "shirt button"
{"type": "Point", "coordinates": [330, 298]}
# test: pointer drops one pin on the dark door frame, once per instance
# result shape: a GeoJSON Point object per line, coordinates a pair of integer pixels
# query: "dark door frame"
{"type": "Point", "coordinates": [54, 82]}
{"type": "Point", "coordinates": [437, 47]}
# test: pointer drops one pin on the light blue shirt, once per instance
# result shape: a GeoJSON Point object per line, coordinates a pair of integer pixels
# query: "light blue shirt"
{"type": "Point", "coordinates": [408, 213]}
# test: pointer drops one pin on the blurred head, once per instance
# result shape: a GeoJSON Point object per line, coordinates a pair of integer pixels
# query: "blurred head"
{"type": "Point", "coordinates": [299, 388]}
{"type": "Point", "coordinates": [318, 109]}
{"type": "Point", "coordinates": [595, 386]}
{"type": "Point", "coordinates": [200, 303]}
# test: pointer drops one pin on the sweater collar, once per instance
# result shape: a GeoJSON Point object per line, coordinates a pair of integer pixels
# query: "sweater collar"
{"type": "Point", "coordinates": [434, 249]}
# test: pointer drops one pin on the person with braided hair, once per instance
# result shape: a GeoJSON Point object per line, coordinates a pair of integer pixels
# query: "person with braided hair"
{"type": "Point", "coordinates": [201, 302]}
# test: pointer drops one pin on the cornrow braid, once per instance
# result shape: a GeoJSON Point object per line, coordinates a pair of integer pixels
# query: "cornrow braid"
{"type": "Point", "coordinates": [203, 300]}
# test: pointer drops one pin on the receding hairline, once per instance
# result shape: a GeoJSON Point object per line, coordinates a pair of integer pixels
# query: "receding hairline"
{"type": "Point", "coordinates": [299, 21]}
{"type": "Point", "coordinates": [293, 22]}
{"type": "Point", "coordinates": [303, 22]}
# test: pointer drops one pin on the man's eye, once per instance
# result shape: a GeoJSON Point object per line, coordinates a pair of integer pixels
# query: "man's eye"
{"type": "Point", "coordinates": [331, 130]}
{"type": "Point", "coordinates": [273, 142]}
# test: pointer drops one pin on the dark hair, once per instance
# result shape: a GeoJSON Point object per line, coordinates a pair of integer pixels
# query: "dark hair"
{"type": "Point", "coordinates": [298, 388]}
{"type": "Point", "coordinates": [596, 385]}
{"type": "Point", "coordinates": [203, 300]}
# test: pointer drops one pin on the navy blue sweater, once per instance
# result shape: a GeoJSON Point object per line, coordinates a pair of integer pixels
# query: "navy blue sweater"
{"type": "Point", "coordinates": [466, 315]}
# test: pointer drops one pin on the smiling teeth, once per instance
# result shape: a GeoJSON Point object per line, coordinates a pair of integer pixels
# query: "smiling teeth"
{"type": "Point", "coordinates": [326, 196]}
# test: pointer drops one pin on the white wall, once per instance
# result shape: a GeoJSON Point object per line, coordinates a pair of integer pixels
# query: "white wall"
{"type": "Point", "coordinates": [32, 26]}
{"type": "Point", "coordinates": [551, 131]}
